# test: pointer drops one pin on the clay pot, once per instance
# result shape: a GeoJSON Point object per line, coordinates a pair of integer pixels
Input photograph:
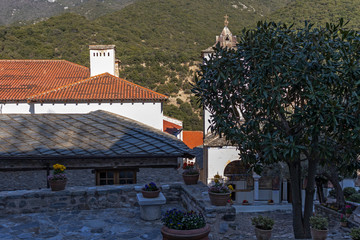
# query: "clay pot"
{"type": "Point", "coordinates": [262, 234]}
{"type": "Point", "coordinates": [219, 199]}
{"type": "Point", "coordinates": [57, 185]}
{"type": "Point", "coordinates": [150, 194]}
{"type": "Point", "coordinates": [318, 234]}
{"type": "Point", "coordinates": [194, 234]}
{"type": "Point", "coordinates": [190, 179]}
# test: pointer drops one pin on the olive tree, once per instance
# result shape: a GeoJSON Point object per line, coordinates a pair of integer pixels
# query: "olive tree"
{"type": "Point", "coordinates": [287, 95]}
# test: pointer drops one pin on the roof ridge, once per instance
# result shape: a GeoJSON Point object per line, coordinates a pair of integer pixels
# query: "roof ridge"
{"type": "Point", "coordinates": [137, 85]}
{"type": "Point", "coordinates": [43, 60]}
{"type": "Point", "coordinates": [94, 78]}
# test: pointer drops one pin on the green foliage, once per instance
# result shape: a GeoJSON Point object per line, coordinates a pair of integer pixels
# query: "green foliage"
{"type": "Point", "coordinates": [262, 222]}
{"type": "Point", "coordinates": [180, 220]}
{"type": "Point", "coordinates": [348, 191]}
{"type": "Point", "coordinates": [319, 223]}
{"type": "Point", "coordinates": [355, 233]}
{"type": "Point", "coordinates": [355, 197]}
{"type": "Point", "coordinates": [185, 113]}
{"type": "Point", "coordinates": [332, 193]}
{"type": "Point", "coordinates": [318, 12]}
{"type": "Point", "coordinates": [286, 95]}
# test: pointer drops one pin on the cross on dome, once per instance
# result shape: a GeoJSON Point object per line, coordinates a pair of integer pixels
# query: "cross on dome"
{"type": "Point", "coordinates": [226, 22]}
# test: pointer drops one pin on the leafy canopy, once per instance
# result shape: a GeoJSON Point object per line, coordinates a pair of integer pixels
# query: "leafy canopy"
{"type": "Point", "coordinates": [285, 93]}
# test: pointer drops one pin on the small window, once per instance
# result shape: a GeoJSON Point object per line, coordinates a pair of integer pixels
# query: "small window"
{"type": "Point", "coordinates": [94, 54]}
{"type": "Point", "coordinates": [108, 54]}
{"type": "Point", "coordinates": [97, 54]}
{"type": "Point", "coordinates": [111, 177]}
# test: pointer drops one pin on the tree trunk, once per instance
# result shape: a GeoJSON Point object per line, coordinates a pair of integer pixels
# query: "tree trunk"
{"type": "Point", "coordinates": [333, 177]}
{"type": "Point", "coordinates": [309, 196]}
{"type": "Point", "coordinates": [320, 191]}
{"type": "Point", "coordinates": [295, 180]}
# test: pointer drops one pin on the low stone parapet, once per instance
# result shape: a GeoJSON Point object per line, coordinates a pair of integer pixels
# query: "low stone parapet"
{"type": "Point", "coordinates": [191, 197]}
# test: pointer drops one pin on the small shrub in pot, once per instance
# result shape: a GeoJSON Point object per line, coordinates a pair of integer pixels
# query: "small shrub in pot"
{"type": "Point", "coordinates": [355, 234]}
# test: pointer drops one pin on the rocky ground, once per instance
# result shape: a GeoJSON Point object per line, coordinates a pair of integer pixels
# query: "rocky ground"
{"type": "Point", "coordinates": [125, 224]}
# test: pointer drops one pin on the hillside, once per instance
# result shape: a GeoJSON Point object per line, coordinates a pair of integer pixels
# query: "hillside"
{"type": "Point", "coordinates": [28, 11]}
{"type": "Point", "coordinates": [158, 42]}
{"type": "Point", "coordinates": [319, 12]}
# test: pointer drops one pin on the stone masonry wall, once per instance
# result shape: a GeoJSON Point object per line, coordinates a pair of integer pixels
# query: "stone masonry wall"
{"type": "Point", "coordinates": [20, 180]}
{"type": "Point", "coordinates": [193, 197]}
{"type": "Point", "coordinates": [158, 175]}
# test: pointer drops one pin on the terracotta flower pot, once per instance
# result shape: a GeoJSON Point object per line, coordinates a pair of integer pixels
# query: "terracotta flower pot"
{"type": "Point", "coordinates": [57, 185]}
{"type": "Point", "coordinates": [262, 234]}
{"type": "Point", "coordinates": [343, 224]}
{"type": "Point", "coordinates": [190, 179]}
{"type": "Point", "coordinates": [219, 199]}
{"type": "Point", "coordinates": [318, 234]}
{"type": "Point", "coordinates": [194, 234]}
{"type": "Point", "coordinates": [150, 194]}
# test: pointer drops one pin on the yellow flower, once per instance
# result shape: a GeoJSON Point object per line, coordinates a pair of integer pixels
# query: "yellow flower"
{"type": "Point", "coordinates": [231, 188]}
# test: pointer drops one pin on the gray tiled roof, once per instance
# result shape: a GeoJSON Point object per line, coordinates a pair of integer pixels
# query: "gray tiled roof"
{"type": "Point", "coordinates": [96, 134]}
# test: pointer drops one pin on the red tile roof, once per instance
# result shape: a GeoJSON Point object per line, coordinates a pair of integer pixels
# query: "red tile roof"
{"type": "Point", "coordinates": [193, 138]}
{"type": "Point", "coordinates": [63, 81]}
{"type": "Point", "coordinates": [170, 127]}
{"type": "Point", "coordinates": [99, 88]}
{"type": "Point", "coordinates": [20, 79]}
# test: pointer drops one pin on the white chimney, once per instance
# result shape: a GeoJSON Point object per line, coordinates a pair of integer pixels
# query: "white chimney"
{"type": "Point", "coordinates": [102, 59]}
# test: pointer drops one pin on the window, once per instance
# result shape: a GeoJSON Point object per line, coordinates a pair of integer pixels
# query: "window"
{"type": "Point", "coordinates": [111, 177]}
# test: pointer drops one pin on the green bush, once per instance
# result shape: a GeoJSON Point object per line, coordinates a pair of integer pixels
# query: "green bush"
{"type": "Point", "coordinates": [348, 191]}
{"type": "Point", "coordinates": [355, 234]}
{"type": "Point", "coordinates": [262, 222]}
{"type": "Point", "coordinates": [319, 223]}
{"type": "Point", "coordinates": [355, 197]}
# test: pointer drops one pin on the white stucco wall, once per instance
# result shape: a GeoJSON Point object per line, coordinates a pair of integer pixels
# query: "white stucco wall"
{"type": "Point", "coordinates": [147, 113]}
{"type": "Point", "coordinates": [218, 159]}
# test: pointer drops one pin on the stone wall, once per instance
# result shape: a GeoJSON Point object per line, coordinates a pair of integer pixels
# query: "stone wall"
{"type": "Point", "coordinates": [192, 197]}
{"type": "Point", "coordinates": [158, 175]}
{"type": "Point", "coordinates": [334, 216]}
{"type": "Point", "coordinates": [22, 180]}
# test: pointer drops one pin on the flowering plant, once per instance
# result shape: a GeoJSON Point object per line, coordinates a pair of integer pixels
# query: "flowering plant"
{"type": "Point", "coordinates": [343, 219]}
{"type": "Point", "coordinates": [245, 201]}
{"type": "Point", "coordinates": [189, 169]}
{"type": "Point", "coordinates": [150, 187]}
{"type": "Point", "coordinates": [180, 220]}
{"type": "Point", "coordinates": [220, 188]}
{"type": "Point", "coordinates": [348, 209]}
{"type": "Point", "coordinates": [270, 201]}
{"type": "Point", "coordinates": [58, 173]}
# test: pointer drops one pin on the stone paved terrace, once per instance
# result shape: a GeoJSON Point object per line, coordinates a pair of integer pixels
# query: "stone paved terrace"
{"type": "Point", "coordinates": [123, 224]}
{"type": "Point", "coordinates": [111, 213]}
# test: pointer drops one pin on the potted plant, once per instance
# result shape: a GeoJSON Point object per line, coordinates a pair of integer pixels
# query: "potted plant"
{"type": "Point", "coordinates": [263, 227]}
{"type": "Point", "coordinates": [348, 210]}
{"type": "Point", "coordinates": [343, 221]}
{"type": "Point", "coordinates": [180, 225]}
{"type": "Point", "coordinates": [270, 202]}
{"type": "Point", "coordinates": [190, 174]}
{"type": "Point", "coordinates": [245, 202]}
{"type": "Point", "coordinates": [355, 234]}
{"type": "Point", "coordinates": [319, 227]}
{"type": "Point", "coordinates": [58, 179]}
{"type": "Point", "coordinates": [219, 193]}
{"type": "Point", "coordinates": [150, 190]}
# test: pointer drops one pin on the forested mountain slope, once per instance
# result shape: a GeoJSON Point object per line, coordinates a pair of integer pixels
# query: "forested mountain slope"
{"type": "Point", "coordinates": [319, 12]}
{"type": "Point", "coordinates": [28, 11]}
